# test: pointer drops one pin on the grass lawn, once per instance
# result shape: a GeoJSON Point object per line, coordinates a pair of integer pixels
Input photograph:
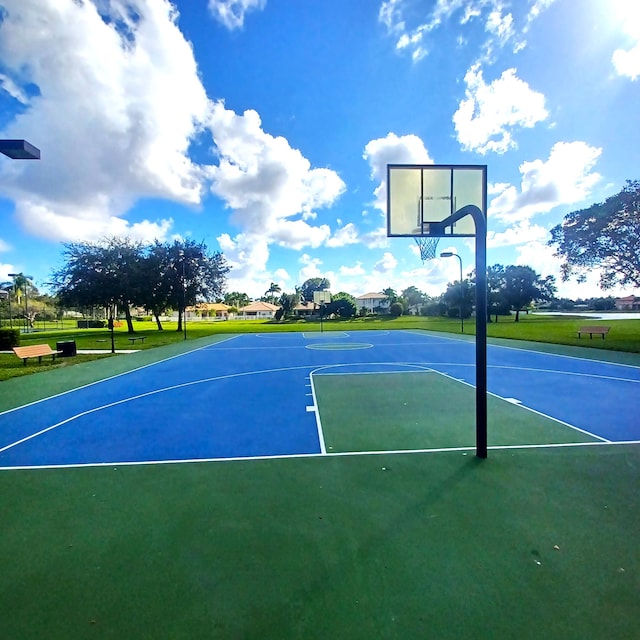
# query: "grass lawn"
{"type": "Point", "coordinates": [529, 544]}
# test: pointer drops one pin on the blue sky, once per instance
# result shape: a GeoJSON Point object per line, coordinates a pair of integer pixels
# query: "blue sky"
{"type": "Point", "coordinates": [264, 127]}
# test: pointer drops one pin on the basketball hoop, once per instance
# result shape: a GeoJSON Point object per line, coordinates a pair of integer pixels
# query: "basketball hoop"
{"type": "Point", "coordinates": [428, 246]}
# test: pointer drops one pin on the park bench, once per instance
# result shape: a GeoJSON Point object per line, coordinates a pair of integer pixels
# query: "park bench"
{"type": "Point", "coordinates": [595, 330]}
{"type": "Point", "coordinates": [133, 339]}
{"type": "Point", "coordinates": [34, 351]}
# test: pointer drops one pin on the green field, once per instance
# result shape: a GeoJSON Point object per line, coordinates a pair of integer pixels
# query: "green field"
{"type": "Point", "coordinates": [528, 544]}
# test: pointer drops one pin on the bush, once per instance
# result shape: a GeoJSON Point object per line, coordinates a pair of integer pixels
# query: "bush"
{"type": "Point", "coordinates": [396, 309]}
{"type": "Point", "coordinates": [9, 338]}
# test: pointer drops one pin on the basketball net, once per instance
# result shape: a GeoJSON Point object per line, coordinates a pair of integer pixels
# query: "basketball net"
{"type": "Point", "coordinates": [427, 246]}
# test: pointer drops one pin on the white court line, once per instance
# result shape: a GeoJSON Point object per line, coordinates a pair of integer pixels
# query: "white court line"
{"type": "Point", "coordinates": [323, 449]}
{"type": "Point", "coordinates": [117, 375]}
{"type": "Point", "coordinates": [525, 349]}
{"type": "Point", "coordinates": [145, 395]}
{"type": "Point", "coordinates": [464, 382]}
{"type": "Point", "coordinates": [343, 454]}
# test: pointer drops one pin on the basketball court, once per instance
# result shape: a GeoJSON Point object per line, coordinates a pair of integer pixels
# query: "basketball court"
{"type": "Point", "coordinates": [316, 394]}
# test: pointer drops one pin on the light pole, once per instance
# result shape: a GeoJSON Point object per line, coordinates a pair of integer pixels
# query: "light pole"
{"type": "Point", "coordinates": [449, 254]}
{"type": "Point", "coordinates": [19, 150]}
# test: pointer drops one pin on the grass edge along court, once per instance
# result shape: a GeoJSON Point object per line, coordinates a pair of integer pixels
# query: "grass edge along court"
{"type": "Point", "coordinates": [531, 543]}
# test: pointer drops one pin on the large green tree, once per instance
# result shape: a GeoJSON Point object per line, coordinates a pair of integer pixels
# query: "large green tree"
{"type": "Point", "coordinates": [522, 286]}
{"type": "Point", "coordinates": [605, 235]}
{"type": "Point", "coordinates": [104, 274]}
{"type": "Point", "coordinates": [124, 273]}
{"type": "Point", "coordinates": [311, 285]}
{"type": "Point", "coordinates": [342, 304]}
{"type": "Point", "coordinates": [459, 296]}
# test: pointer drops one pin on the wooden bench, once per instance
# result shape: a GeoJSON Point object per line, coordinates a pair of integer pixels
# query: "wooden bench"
{"type": "Point", "coordinates": [595, 330]}
{"type": "Point", "coordinates": [133, 339]}
{"type": "Point", "coordinates": [34, 351]}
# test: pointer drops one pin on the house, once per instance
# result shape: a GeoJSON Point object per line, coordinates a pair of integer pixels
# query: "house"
{"type": "Point", "coordinates": [258, 311]}
{"type": "Point", "coordinates": [305, 308]}
{"type": "Point", "coordinates": [629, 303]}
{"type": "Point", "coordinates": [208, 311]}
{"type": "Point", "coordinates": [373, 302]}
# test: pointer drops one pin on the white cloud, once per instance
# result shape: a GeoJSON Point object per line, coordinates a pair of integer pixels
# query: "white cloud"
{"type": "Point", "coordinates": [356, 270]}
{"type": "Point", "coordinates": [119, 102]}
{"type": "Point", "coordinates": [267, 183]}
{"type": "Point", "coordinates": [4, 246]}
{"type": "Point", "coordinates": [500, 28]}
{"type": "Point", "coordinates": [392, 149]}
{"type": "Point", "coordinates": [348, 234]}
{"type": "Point", "coordinates": [567, 177]}
{"type": "Point", "coordinates": [486, 118]}
{"type": "Point", "coordinates": [231, 13]}
{"type": "Point", "coordinates": [386, 264]}
{"type": "Point", "coordinates": [522, 232]}
{"type": "Point", "coordinates": [627, 62]}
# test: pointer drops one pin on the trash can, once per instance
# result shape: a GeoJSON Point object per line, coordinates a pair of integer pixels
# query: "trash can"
{"type": "Point", "coordinates": [66, 348]}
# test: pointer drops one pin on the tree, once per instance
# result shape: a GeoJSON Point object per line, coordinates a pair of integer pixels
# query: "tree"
{"type": "Point", "coordinates": [120, 272]}
{"type": "Point", "coordinates": [391, 295]}
{"type": "Point", "coordinates": [522, 286]}
{"type": "Point", "coordinates": [195, 275]}
{"type": "Point", "coordinates": [606, 235]}
{"type": "Point", "coordinates": [396, 309]}
{"type": "Point", "coordinates": [460, 297]}
{"type": "Point", "coordinates": [236, 299]}
{"type": "Point", "coordinates": [101, 274]}
{"type": "Point", "coordinates": [342, 304]}
{"type": "Point", "coordinates": [269, 294]}
{"type": "Point", "coordinates": [287, 302]}
{"type": "Point", "coordinates": [496, 301]}
{"type": "Point", "coordinates": [413, 297]}
{"type": "Point", "coordinates": [313, 284]}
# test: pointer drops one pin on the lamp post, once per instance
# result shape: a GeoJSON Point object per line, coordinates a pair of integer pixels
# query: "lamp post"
{"type": "Point", "coordinates": [19, 150]}
{"type": "Point", "coordinates": [182, 256]}
{"type": "Point", "coordinates": [450, 254]}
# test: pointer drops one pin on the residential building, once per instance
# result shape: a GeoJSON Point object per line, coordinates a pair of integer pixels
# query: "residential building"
{"type": "Point", "coordinates": [628, 303]}
{"type": "Point", "coordinates": [373, 302]}
{"type": "Point", "coordinates": [258, 311]}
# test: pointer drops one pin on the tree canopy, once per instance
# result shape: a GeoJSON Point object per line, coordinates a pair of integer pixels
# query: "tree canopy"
{"type": "Point", "coordinates": [522, 286]}
{"type": "Point", "coordinates": [119, 272]}
{"type": "Point", "coordinates": [311, 285]}
{"type": "Point", "coordinates": [605, 235]}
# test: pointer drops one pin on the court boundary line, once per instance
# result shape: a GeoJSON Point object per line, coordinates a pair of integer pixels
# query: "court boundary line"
{"type": "Point", "coordinates": [316, 410]}
{"type": "Point", "coordinates": [144, 395]}
{"type": "Point", "coordinates": [468, 384]}
{"type": "Point", "coordinates": [117, 375]}
{"type": "Point", "coordinates": [339, 454]}
{"type": "Point", "coordinates": [544, 353]}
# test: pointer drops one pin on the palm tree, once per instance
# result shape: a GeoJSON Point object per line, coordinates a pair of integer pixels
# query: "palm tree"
{"type": "Point", "coordinates": [270, 293]}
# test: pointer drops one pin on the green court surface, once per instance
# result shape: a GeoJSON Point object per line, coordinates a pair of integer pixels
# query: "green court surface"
{"type": "Point", "coordinates": [529, 544]}
{"type": "Point", "coordinates": [422, 410]}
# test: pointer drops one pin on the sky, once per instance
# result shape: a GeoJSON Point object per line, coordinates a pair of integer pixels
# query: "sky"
{"type": "Point", "coordinates": [263, 128]}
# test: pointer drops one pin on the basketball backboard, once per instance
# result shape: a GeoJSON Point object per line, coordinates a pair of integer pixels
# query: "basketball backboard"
{"type": "Point", "coordinates": [322, 297]}
{"type": "Point", "coordinates": [430, 200]}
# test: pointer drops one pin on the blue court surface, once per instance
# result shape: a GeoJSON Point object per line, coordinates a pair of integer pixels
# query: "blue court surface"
{"type": "Point", "coordinates": [254, 396]}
